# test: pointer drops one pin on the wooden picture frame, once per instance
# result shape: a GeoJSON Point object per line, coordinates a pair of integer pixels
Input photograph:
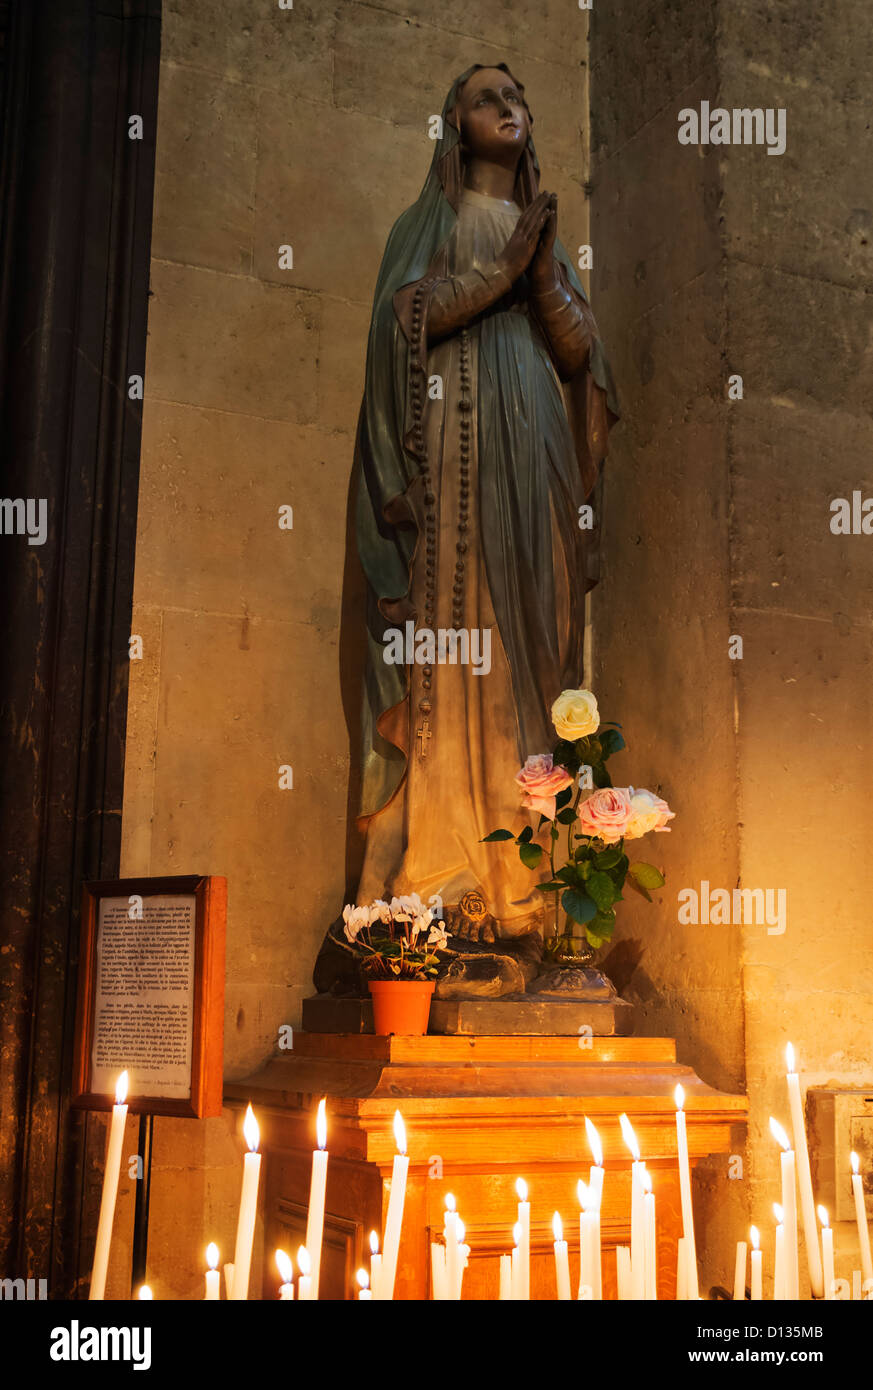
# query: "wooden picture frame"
{"type": "Point", "coordinates": [206, 993]}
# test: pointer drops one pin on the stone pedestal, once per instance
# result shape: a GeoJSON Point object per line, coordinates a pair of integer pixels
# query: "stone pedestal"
{"type": "Point", "coordinates": [479, 1112]}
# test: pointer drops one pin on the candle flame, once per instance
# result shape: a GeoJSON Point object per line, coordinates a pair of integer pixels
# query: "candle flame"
{"type": "Point", "coordinates": [212, 1255]}
{"type": "Point", "coordinates": [321, 1124]}
{"type": "Point", "coordinates": [789, 1057]}
{"type": "Point", "coordinates": [374, 1243]}
{"type": "Point", "coordinates": [399, 1132]}
{"type": "Point", "coordinates": [250, 1129]}
{"type": "Point", "coordinates": [855, 1162]}
{"type": "Point", "coordinates": [121, 1092]}
{"type": "Point", "coordinates": [521, 1189]}
{"type": "Point", "coordinates": [679, 1097]}
{"type": "Point", "coordinates": [363, 1278]}
{"type": "Point", "coordinates": [284, 1266]}
{"type": "Point", "coordinates": [755, 1237]}
{"type": "Point", "coordinates": [304, 1264]}
{"type": "Point", "coordinates": [778, 1213]}
{"type": "Point", "coordinates": [516, 1233]}
{"type": "Point", "coordinates": [144, 1291]}
{"type": "Point", "coordinates": [450, 1202]}
{"type": "Point", "coordinates": [779, 1134]}
{"type": "Point", "coordinates": [582, 1194]}
{"type": "Point", "coordinates": [629, 1137]}
{"type": "Point", "coordinates": [557, 1226]}
{"type": "Point", "coordinates": [594, 1143]}
{"type": "Point", "coordinates": [823, 1216]}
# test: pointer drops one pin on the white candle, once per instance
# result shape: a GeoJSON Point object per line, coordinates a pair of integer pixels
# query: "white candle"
{"type": "Point", "coordinates": [623, 1271]}
{"type": "Point", "coordinates": [213, 1278]}
{"type": "Point", "coordinates": [505, 1278]}
{"type": "Point", "coordinates": [524, 1240]}
{"type": "Point", "coordinates": [110, 1190]}
{"type": "Point", "coordinates": [681, 1270]}
{"type": "Point", "coordinates": [692, 1287]}
{"type": "Point", "coordinates": [394, 1219]}
{"type": "Point", "coordinates": [317, 1187]}
{"type": "Point", "coordinates": [375, 1265]}
{"type": "Point", "coordinates": [286, 1274]}
{"type": "Point", "coordinates": [789, 1209]}
{"type": "Point", "coordinates": [515, 1268]}
{"type": "Point", "coordinates": [463, 1254]}
{"type": "Point", "coordinates": [638, 1229]}
{"type": "Point", "coordinates": [650, 1265]}
{"type": "Point", "coordinates": [228, 1280]}
{"type": "Point", "coordinates": [856, 1284]}
{"type": "Point", "coordinates": [779, 1255]}
{"type": "Point", "coordinates": [593, 1205]}
{"type": "Point", "coordinates": [562, 1258]}
{"type": "Point", "coordinates": [827, 1245]}
{"type": "Point", "coordinates": [438, 1270]}
{"type": "Point", "coordinates": [453, 1259]}
{"type": "Point", "coordinates": [757, 1266]}
{"type": "Point", "coordinates": [861, 1219]}
{"type": "Point", "coordinates": [363, 1279]}
{"type": "Point", "coordinates": [590, 1272]}
{"type": "Point", "coordinates": [304, 1281]}
{"type": "Point", "coordinates": [740, 1271]}
{"type": "Point", "coordinates": [804, 1178]}
{"type": "Point", "coordinates": [248, 1209]}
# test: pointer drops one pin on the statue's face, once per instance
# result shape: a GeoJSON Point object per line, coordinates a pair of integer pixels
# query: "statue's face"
{"type": "Point", "coordinates": [493, 117]}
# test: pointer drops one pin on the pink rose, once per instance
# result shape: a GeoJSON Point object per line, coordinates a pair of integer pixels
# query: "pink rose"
{"type": "Point", "coordinates": [606, 814]}
{"type": "Point", "coordinates": [540, 782]}
{"type": "Point", "coordinates": [651, 812]}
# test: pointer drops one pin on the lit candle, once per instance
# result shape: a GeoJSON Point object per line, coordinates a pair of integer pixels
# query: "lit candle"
{"type": "Point", "coordinates": [286, 1274]}
{"type": "Point", "coordinates": [779, 1255]}
{"type": "Point", "coordinates": [861, 1218]}
{"type": "Point", "coordinates": [692, 1289]}
{"type": "Point", "coordinates": [650, 1266]}
{"type": "Point", "coordinates": [213, 1278]}
{"type": "Point", "coordinates": [304, 1279]}
{"type": "Point", "coordinates": [505, 1278]}
{"type": "Point", "coordinates": [110, 1190]}
{"type": "Point", "coordinates": [228, 1280]}
{"type": "Point", "coordinates": [394, 1219]}
{"type": "Point", "coordinates": [827, 1245]}
{"type": "Point", "coordinates": [740, 1271]}
{"type": "Point", "coordinates": [363, 1279]}
{"type": "Point", "coordinates": [804, 1178]}
{"type": "Point", "coordinates": [145, 1293]}
{"type": "Point", "coordinates": [681, 1270]}
{"type": "Point", "coordinates": [248, 1209]}
{"type": "Point", "coordinates": [524, 1242]}
{"type": "Point", "coordinates": [638, 1228]}
{"type": "Point", "coordinates": [438, 1270]}
{"type": "Point", "coordinates": [789, 1209]}
{"type": "Point", "coordinates": [562, 1258]}
{"type": "Point", "coordinates": [453, 1259]}
{"type": "Point", "coordinates": [757, 1265]}
{"type": "Point", "coordinates": [514, 1262]}
{"type": "Point", "coordinates": [623, 1271]}
{"type": "Point", "coordinates": [317, 1186]}
{"type": "Point", "coordinates": [593, 1205]}
{"type": "Point", "coordinates": [375, 1265]}
{"type": "Point", "coordinates": [590, 1273]}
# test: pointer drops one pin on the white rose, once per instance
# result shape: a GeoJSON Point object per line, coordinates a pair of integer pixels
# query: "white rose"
{"type": "Point", "coordinates": [650, 813]}
{"type": "Point", "coordinates": [575, 714]}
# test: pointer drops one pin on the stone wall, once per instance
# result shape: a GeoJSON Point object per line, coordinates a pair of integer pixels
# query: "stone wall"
{"type": "Point", "coordinates": [714, 260]}
{"type": "Point", "coordinates": [305, 127]}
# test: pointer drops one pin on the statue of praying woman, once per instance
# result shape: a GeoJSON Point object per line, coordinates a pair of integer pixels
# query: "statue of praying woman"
{"type": "Point", "coordinates": [484, 422]}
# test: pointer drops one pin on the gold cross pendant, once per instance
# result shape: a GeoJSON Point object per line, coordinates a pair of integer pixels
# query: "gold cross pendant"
{"type": "Point", "coordinates": [424, 735]}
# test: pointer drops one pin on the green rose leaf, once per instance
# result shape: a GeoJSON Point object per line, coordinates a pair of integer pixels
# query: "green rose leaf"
{"type": "Point", "coordinates": [497, 835]}
{"type": "Point", "coordinates": [567, 816]}
{"type": "Point", "coordinates": [646, 876]}
{"type": "Point", "coordinates": [599, 776]}
{"type": "Point", "coordinates": [530, 855]}
{"type": "Point", "coordinates": [525, 835]}
{"type": "Point", "coordinates": [611, 742]}
{"type": "Point", "coordinates": [578, 906]}
{"type": "Point", "coordinates": [563, 799]}
{"type": "Point", "coordinates": [552, 886]}
{"type": "Point", "coordinates": [599, 930]}
{"type": "Point", "coordinates": [600, 887]}
{"type": "Point", "coordinates": [565, 755]}
{"type": "Point", "coordinates": [572, 874]}
{"type": "Point", "coordinates": [608, 858]}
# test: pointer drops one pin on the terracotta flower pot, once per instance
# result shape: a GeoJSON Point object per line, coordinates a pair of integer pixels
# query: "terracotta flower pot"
{"type": "Point", "coordinates": [401, 1006]}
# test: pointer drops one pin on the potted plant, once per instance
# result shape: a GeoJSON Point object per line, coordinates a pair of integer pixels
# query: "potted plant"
{"type": "Point", "coordinates": [573, 792]}
{"type": "Point", "coordinates": [397, 942]}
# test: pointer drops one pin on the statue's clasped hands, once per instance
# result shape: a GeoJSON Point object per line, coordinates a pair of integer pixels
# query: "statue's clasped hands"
{"type": "Point", "coordinates": [532, 243]}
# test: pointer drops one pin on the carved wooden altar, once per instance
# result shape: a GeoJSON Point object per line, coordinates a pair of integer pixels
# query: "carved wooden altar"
{"type": "Point", "coordinates": [479, 1112]}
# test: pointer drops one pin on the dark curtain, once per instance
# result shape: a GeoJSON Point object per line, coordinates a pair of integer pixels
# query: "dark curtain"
{"type": "Point", "coordinates": [76, 202]}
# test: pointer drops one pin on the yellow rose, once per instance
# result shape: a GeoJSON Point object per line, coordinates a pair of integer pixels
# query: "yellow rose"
{"type": "Point", "coordinates": [575, 714]}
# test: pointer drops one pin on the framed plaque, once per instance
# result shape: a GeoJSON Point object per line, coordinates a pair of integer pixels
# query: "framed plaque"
{"type": "Point", "coordinates": [151, 995]}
